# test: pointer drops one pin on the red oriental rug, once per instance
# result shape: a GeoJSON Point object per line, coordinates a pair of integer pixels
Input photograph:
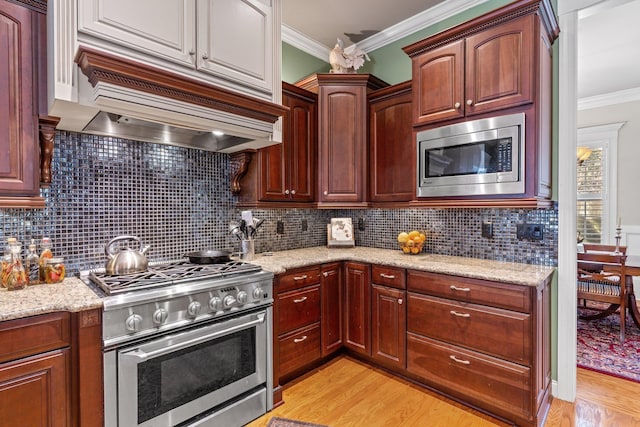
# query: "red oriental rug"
{"type": "Point", "coordinates": [599, 347]}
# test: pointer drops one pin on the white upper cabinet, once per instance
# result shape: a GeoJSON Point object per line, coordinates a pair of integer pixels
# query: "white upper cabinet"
{"type": "Point", "coordinates": [229, 43]}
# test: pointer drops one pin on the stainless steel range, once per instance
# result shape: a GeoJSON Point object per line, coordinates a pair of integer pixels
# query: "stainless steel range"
{"type": "Point", "coordinates": [187, 344]}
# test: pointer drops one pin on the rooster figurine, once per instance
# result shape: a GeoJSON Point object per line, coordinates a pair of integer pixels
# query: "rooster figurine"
{"type": "Point", "coordinates": [342, 62]}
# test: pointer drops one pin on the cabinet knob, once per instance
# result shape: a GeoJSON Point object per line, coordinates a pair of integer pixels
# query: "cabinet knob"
{"type": "Point", "coordinates": [325, 193]}
{"type": "Point", "coordinates": [286, 192]}
{"type": "Point", "coordinates": [293, 192]}
{"type": "Point", "coordinates": [399, 301]}
{"type": "Point", "coordinates": [192, 52]}
{"type": "Point", "coordinates": [456, 105]}
{"type": "Point", "coordinates": [325, 274]}
{"type": "Point", "coordinates": [205, 57]}
{"type": "Point", "coordinates": [469, 102]}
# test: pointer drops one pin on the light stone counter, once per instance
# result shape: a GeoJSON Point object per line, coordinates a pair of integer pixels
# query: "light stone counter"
{"type": "Point", "coordinates": [510, 272]}
{"type": "Point", "coordinates": [70, 295]}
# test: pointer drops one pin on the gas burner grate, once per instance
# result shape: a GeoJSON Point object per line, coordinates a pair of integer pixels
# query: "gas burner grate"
{"type": "Point", "coordinates": [166, 274]}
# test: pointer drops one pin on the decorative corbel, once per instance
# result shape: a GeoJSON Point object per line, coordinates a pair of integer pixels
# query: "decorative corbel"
{"type": "Point", "coordinates": [239, 167]}
{"type": "Point", "coordinates": [47, 130]}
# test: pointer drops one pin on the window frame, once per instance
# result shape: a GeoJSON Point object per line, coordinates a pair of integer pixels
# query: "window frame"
{"type": "Point", "coordinates": [605, 137]}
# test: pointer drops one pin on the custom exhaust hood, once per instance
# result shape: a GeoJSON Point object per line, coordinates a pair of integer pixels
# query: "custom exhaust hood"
{"type": "Point", "coordinates": [126, 99]}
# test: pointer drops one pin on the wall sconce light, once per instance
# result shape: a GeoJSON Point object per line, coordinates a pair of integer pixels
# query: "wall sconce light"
{"type": "Point", "coordinates": [583, 154]}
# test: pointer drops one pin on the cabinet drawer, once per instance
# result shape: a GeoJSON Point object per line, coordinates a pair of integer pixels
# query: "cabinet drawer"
{"type": "Point", "coordinates": [482, 380]}
{"type": "Point", "coordinates": [299, 278]}
{"type": "Point", "coordinates": [298, 308]}
{"type": "Point", "coordinates": [299, 348]}
{"type": "Point", "coordinates": [501, 333]}
{"type": "Point", "coordinates": [389, 276]}
{"type": "Point", "coordinates": [511, 297]}
{"type": "Point", "coordinates": [33, 335]}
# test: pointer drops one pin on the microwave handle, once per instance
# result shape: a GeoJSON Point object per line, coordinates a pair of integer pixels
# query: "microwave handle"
{"type": "Point", "coordinates": [142, 355]}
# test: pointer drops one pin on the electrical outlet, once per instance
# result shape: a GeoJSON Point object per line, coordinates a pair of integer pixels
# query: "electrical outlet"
{"type": "Point", "coordinates": [487, 230]}
{"type": "Point", "coordinates": [361, 224]}
{"type": "Point", "coordinates": [305, 225]}
{"type": "Point", "coordinates": [279, 227]}
{"type": "Point", "coordinates": [530, 231]}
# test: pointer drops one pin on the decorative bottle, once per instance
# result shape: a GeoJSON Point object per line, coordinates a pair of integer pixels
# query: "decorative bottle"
{"type": "Point", "coordinates": [46, 254]}
{"type": "Point", "coordinates": [5, 263]}
{"type": "Point", "coordinates": [32, 264]}
{"type": "Point", "coordinates": [17, 276]}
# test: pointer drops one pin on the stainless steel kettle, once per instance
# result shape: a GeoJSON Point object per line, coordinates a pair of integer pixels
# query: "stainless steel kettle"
{"type": "Point", "coordinates": [126, 260]}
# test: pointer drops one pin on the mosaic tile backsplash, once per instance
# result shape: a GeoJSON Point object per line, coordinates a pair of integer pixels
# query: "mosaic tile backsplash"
{"type": "Point", "coordinates": [178, 200]}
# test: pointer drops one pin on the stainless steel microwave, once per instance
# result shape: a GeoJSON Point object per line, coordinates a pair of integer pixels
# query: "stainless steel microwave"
{"type": "Point", "coordinates": [473, 158]}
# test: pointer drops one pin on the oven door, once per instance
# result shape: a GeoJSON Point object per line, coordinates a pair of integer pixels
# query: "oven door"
{"type": "Point", "coordinates": [176, 377]}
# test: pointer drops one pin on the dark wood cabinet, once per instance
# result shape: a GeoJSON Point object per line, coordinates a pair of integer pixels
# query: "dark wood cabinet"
{"type": "Point", "coordinates": [287, 171]}
{"type": "Point", "coordinates": [392, 147]}
{"type": "Point", "coordinates": [22, 35]}
{"type": "Point", "coordinates": [357, 307]}
{"type": "Point", "coordinates": [332, 290]}
{"type": "Point", "coordinates": [486, 343]}
{"type": "Point", "coordinates": [35, 371]}
{"type": "Point", "coordinates": [499, 63]}
{"type": "Point", "coordinates": [342, 136]}
{"type": "Point", "coordinates": [388, 316]}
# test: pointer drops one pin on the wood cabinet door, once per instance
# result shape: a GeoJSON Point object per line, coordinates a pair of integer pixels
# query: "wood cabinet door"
{"type": "Point", "coordinates": [272, 164]}
{"type": "Point", "coordinates": [438, 79]}
{"type": "Point", "coordinates": [19, 158]}
{"type": "Point", "coordinates": [388, 325]}
{"type": "Point", "coordinates": [357, 306]}
{"type": "Point", "coordinates": [499, 66]}
{"type": "Point", "coordinates": [332, 296]}
{"type": "Point", "coordinates": [162, 29]}
{"type": "Point", "coordinates": [391, 145]}
{"type": "Point", "coordinates": [235, 41]}
{"type": "Point", "coordinates": [342, 142]}
{"type": "Point", "coordinates": [34, 391]}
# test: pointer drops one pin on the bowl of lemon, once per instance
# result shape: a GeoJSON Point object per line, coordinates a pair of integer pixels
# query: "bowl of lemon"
{"type": "Point", "coordinates": [411, 242]}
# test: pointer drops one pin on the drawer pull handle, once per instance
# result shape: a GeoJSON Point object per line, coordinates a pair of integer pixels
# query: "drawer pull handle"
{"type": "Point", "coordinates": [455, 359]}
{"type": "Point", "coordinates": [455, 313]}
{"type": "Point", "coordinates": [297, 340]}
{"type": "Point", "coordinates": [300, 300]}
{"type": "Point", "coordinates": [387, 276]}
{"type": "Point", "coordinates": [455, 288]}
{"type": "Point", "coordinates": [304, 276]}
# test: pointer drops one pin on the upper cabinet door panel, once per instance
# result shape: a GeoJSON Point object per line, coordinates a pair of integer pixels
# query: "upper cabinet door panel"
{"type": "Point", "coordinates": [163, 29]}
{"type": "Point", "coordinates": [301, 151]}
{"type": "Point", "coordinates": [499, 66]}
{"type": "Point", "coordinates": [439, 89]}
{"type": "Point", "coordinates": [235, 40]}
{"type": "Point", "coordinates": [18, 145]}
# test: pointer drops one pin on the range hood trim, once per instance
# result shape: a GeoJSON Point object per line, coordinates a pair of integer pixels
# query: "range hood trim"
{"type": "Point", "coordinates": [100, 67]}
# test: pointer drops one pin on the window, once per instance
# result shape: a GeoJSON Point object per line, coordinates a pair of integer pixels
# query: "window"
{"type": "Point", "coordinates": [597, 184]}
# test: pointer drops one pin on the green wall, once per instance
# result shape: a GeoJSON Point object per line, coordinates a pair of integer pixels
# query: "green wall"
{"type": "Point", "coordinates": [297, 64]}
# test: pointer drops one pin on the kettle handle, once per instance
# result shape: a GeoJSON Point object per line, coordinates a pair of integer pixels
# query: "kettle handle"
{"type": "Point", "coordinates": [107, 248]}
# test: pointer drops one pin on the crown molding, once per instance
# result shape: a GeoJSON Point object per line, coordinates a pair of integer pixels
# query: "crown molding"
{"type": "Point", "coordinates": [304, 43]}
{"type": "Point", "coordinates": [612, 98]}
{"type": "Point", "coordinates": [422, 20]}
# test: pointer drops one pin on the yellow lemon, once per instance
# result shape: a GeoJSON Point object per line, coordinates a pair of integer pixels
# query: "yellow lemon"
{"type": "Point", "coordinates": [403, 237]}
{"type": "Point", "coordinates": [413, 234]}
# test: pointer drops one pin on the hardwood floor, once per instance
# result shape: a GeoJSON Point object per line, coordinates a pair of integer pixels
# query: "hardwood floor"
{"type": "Point", "coordinates": [348, 393]}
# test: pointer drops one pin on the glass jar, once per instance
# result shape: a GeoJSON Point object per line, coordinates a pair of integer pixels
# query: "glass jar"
{"type": "Point", "coordinates": [4, 264]}
{"type": "Point", "coordinates": [32, 264]}
{"type": "Point", "coordinates": [54, 270]}
{"type": "Point", "coordinates": [46, 253]}
{"type": "Point", "coordinates": [16, 274]}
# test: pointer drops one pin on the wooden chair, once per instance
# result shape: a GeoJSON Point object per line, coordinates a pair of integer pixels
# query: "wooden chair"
{"type": "Point", "coordinates": [601, 278]}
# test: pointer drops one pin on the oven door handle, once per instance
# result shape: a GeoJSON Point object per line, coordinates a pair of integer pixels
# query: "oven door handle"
{"type": "Point", "coordinates": [142, 355]}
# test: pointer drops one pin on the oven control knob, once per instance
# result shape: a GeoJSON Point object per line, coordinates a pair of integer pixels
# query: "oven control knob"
{"type": "Point", "coordinates": [228, 301]}
{"type": "Point", "coordinates": [133, 322]}
{"type": "Point", "coordinates": [215, 304]}
{"type": "Point", "coordinates": [160, 316]}
{"type": "Point", "coordinates": [242, 297]}
{"type": "Point", "coordinates": [257, 293]}
{"type": "Point", "coordinates": [194, 308]}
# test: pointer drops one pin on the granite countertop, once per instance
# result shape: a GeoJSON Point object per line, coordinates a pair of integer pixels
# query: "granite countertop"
{"type": "Point", "coordinates": [70, 295]}
{"type": "Point", "coordinates": [74, 295]}
{"type": "Point", "coordinates": [510, 272]}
